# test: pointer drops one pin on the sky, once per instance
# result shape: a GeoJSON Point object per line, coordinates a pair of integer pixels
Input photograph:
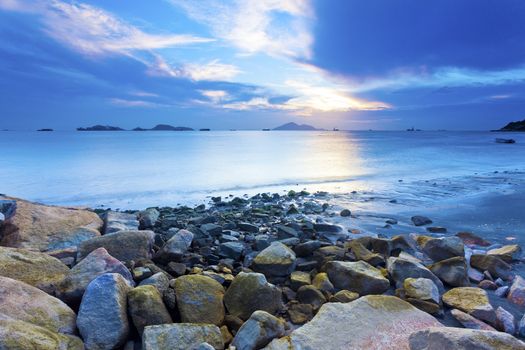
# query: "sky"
{"type": "Point", "coordinates": [251, 64]}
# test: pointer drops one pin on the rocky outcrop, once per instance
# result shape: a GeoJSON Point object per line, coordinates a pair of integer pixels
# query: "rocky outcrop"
{"type": "Point", "coordinates": [181, 336]}
{"type": "Point", "coordinates": [122, 245]}
{"type": "Point", "coordinates": [42, 227]}
{"type": "Point", "coordinates": [37, 269]}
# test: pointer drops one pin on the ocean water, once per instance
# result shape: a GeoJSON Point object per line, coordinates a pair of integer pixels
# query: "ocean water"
{"type": "Point", "coordinates": [141, 169]}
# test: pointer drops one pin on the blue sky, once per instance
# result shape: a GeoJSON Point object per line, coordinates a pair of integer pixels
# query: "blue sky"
{"type": "Point", "coordinates": [353, 64]}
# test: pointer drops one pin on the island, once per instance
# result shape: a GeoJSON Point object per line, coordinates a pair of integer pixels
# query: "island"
{"type": "Point", "coordinates": [101, 128]}
{"type": "Point", "coordinates": [296, 127]}
{"type": "Point", "coordinates": [518, 126]}
{"type": "Point", "coordinates": [164, 127]}
{"type": "Point", "coordinates": [45, 129]}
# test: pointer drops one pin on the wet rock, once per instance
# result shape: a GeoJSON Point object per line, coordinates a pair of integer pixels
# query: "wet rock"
{"type": "Point", "coordinates": [181, 336]}
{"type": "Point", "coordinates": [148, 218]}
{"type": "Point", "coordinates": [211, 229]}
{"type": "Point", "coordinates": [362, 253]}
{"type": "Point", "coordinates": [160, 280]}
{"type": "Point", "coordinates": [41, 227]}
{"type": "Point", "coordinates": [505, 321]}
{"type": "Point", "coordinates": [176, 269]}
{"type": "Point", "coordinates": [284, 232]}
{"type": "Point", "coordinates": [436, 229]}
{"type": "Point", "coordinates": [20, 335]}
{"type": "Point", "coordinates": [311, 295]}
{"type": "Point", "coordinates": [422, 289]}
{"type": "Point", "coordinates": [462, 339]}
{"type": "Point", "coordinates": [471, 239]}
{"type": "Point", "coordinates": [300, 313]}
{"type": "Point", "coordinates": [492, 264]}
{"type": "Point", "coordinates": [359, 277]}
{"type": "Point", "coordinates": [122, 245]}
{"type": "Point", "coordinates": [345, 213]}
{"type": "Point", "coordinates": [344, 296]}
{"type": "Point", "coordinates": [249, 292]}
{"type": "Point", "coordinates": [486, 284]}
{"type": "Point", "coordinates": [507, 253]}
{"type": "Point", "coordinates": [400, 269]}
{"type": "Point", "coordinates": [276, 260]}
{"type": "Point", "coordinates": [115, 221]}
{"type": "Point", "coordinates": [355, 325]}
{"type": "Point", "coordinates": [232, 250]}
{"type": "Point", "coordinates": [247, 227]}
{"type": "Point", "coordinates": [22, 302]}
{"type": "Point", "coordinates": [146, 307]}
{"type": "Point", "coordinates": [521, 327]}
{"type": "Point", "coordinates": [97, 263]}
{"type": "Point", "coordinates": [517, 291]}
{"type": "Point", "coordinates": [102, 318]}
{"type": "Point", "coordinates": [37, 269]}
{"type": "Point", "coordinates": [441, 248]}
{"type": "Point", "coordinates": [419, 220]}
{"type": "Point", "coordinates": [199, 299]}
{"type": "Point", "coordinates": [262, 242]}
{"type": "Point", "coordinates": [322, 282]}
{"type": "Point", "coordinates": [502, 291]}
{"type": "Point", "coordinates": [474, 275]}
{"type": "Point", "coordinates": [473, 301]}
{"type": "Point", "coordinates": [258, 331]}
{"type": "Point", "coordinates": [470, 322]}
{"type": "Point", "coordinates": [453, 271]}
{"type": "Point", "coordinates": [299, 279]}
{"type": "Point", "coordinates": [427, 306]}
{"type": "Point", "coordinates": [307, 248]}
{"type": "Point", "coordinates": [175, 247]}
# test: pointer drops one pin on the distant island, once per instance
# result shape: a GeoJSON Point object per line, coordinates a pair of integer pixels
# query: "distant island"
{"type": "Point", "coordinates": [101, 128]}
{"type": "Point", "coordinates": [296, 127]}
{"type": "Point", "coordinates": [45, 130]}
{"type": "Point", "coordinates": [514, 126]}
{"type": "Point", "coordinates": [165, 127]}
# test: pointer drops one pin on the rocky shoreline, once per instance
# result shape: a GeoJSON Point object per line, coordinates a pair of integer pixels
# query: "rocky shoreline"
{"type": "Point", "coordinates": [267, 272]}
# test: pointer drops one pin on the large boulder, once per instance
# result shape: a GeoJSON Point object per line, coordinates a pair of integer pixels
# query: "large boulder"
{"type": "Point", "coordinates": [453, 271]}
{"type": "Point", "coordinates": [250, 292]}
{"type": "Point", "coordinates": [421, 289]}
{"type": "Point", "coordinates": [175, 247]}
{"type": "Point", "coordinates": [492, 264]}
{"type": "Point", "coordinates": [507, 253]}
{"type": "Point", "coordinates": [517, 291]}
{"type": "Point", "coordinates": [181, 336]}
{"type": "Point", "coordinates": [97, 263]}
{"type": "Point", "coordinates": [102, 318]}
{"type": "Point", "coordinates": [146, 307]}
{"type": "Point", "coordinates": [260, 329]}
{"type": "Point", "coordinates": [359, 277]}
{"type": "Point", "coordinates": [400, 269]}
{"type": "Point", "coordinates": [463, 339]}
{"type": "Point", "coordinates": [34, 268]}
{"type": "Point", "coordinates": [370, 322]}
{"type": "Point", "coordinates": [199, 299]}
{"type": "Point", "coordinates": [275, 260]}
{"type": "Point", "coordinates": [20, 301]}
{"type": "Point", "coordinates": [42, 227]}
{"type": "Point", "coordinates": [20, 335]}
{"type": "Point", "coordinates": [471, 300]}
{"type": "Point", "coordinates": [441, 248]}
{"type": "Point", "coordinates": [115, 221]}
{"type": "Point", "coordinates": [122, 245]}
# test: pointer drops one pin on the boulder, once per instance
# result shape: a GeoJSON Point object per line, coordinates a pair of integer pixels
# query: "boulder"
{"type": "Point", "coordinates": [453, 271]}
{"type": "Point", "coordinates": [471, 239]}
{"type": "Point", "coordinates": [247, 227]}
{"type": "Point", "coordinates": [473, 301]}
{"type": "Point", "coordinates": [115, 221]}
{"type": "Point", "coordinates": [37, 269]}
{"type": "Point", "coordinates": [232, 250]}
{"type": "Point", "coordinates": [175, 247]}
{"type": "Point", "coordinates": [97, 263]}
{"type": "Point", "coordinates": [307, 248]}
{"type": "Point", "coordinates": [419, 220]}
{"type": "Point", "coordinates": [181, 336]}
{"type": "Point", "coordinates": [199, 299]}
{"type": "Point", "coordinates": [284, 232]}
{"type": "Point", "coordinates": [517, 291]}
{"type": "Point", "coordinates": [160, 280]}
{"type": "Point", "coordinates": [20, 335]}
{"type": "Point", "coordinates": [146, 307]}
{"type": "Point", "coordinates": [492, 264]}
{"type": "Point", "coordinates": [362, 253]}
{"type": "Point", "coordinates": [148, 218]}
{"type": "Point", "coordinates": [274, 261]}
{"type": "Point", "coordinates": [258, 331]}
{"type": "Point", "coordinates": [470, 322]}
{"type": "Point", "coordinates": [359, 277]}
{"type": "Point", "coordinates": [507, 253]}
{"type": "Point", "coordinates": [370, 322]}
{"type": "Point", "coordinates": [400, 269]}
{"type": "Point", "coordinates": [463, 339]}
{"type": "Point", "coordinates": [122, 245]}
{"type": "Point", "coordinates": [102, 318]}
{"type": "Point", "coordinates": [42, 227]}
{"type": "Point", "coordinates": [20, 301]}
{"type": "Point", "coordinates": [442, 248]}
{"type": "Point", "coordinates": [250, 292]}
{"type": "Point", "coordinates": [422, 289]}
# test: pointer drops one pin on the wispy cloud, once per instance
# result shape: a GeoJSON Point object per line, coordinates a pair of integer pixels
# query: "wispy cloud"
{"type": "Point", "coordinates": [213, 70]}
{"type": "Point", "coordinates": [135, 103]}
{"type": "Point", "coordinates": [215, 96]}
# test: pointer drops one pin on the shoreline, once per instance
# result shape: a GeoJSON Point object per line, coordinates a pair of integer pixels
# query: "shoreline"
{"type": "Point", "coordinates": [292, 256]}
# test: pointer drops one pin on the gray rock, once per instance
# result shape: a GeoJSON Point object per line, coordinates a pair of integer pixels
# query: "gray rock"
{"type": "Point", "coordinates": [284, 232]}
{"type": "Point", "coordinates": [521, 327]}
{"type": "Point", "coordinates": [175, 247]}
{"type": "Point", "coordinates": [102, 317]}
{"type": "Point", "coordinates": [299, 279]}
{"type": "Point", "coordinates": [419, 220]}
{"type": "Point", "coordinates": [276, 260]}
{"type": "Point", "coordinates": [473, 301]}
{"type": "Point", "coordinates": [115, 221]}
{"type": "Point", "coordinates": [146, 307]}
{"type": "Point", "coordinates": [160, 280]}
{"type": "Point", "coordinates": [122, 245]}
{"type": "Point", "coordinates": [311, 295]}
{"type": "Point", "coordinates": [505, 321]}
{"type": "Point", "coordinates": [453, 271]}
{"type": "Point", "coordinates": [148, 218]}
{"type": "Point", "coordinates": [181, 336]}
{"type": "Point", "coordinates": [502, 291]}
{"type": "Point", "coordinates": [250, 292]}
{"type": "Point", "coordinates": [247, 227]}
{"type": "Point", "coordinates": [323, 283]}
{"type": "Point", "coordinates": [232, 250]}
{"type": "Point", "coordinates": [470, 322]}
{"type": "Point", "coordinates": [442, 248]}
{"type": "Point", "coordinates": [258, 331]}
{"type": "Point", "coordinates": [517, 291]}
{"type": "Point", "coordinates": [401, 269]}
{"type": "Point", "coordinates": [422, 289]}
{"type": "Point", "coordinates": [345, 213]}
{"type": "Point", "coordinates": [359, 277]}
{"type": "Point", "coordinates": [462, 339]}
{"type": "Point", "coordinates": [211, 229]}
{"type": "Point", "coordinates": [262, 242]}
{"type": "Point", "coordinates": [97, 263]}
{"type": "Point", "coordinates": [307, 248]}
{"type": "Point", "coordinates": [492, 264]}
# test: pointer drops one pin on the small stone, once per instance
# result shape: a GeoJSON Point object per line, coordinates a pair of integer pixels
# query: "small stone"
{"type": "Point", "coordinates": [232, 250]}
{"type": "Point", "coordinates": [160, 280]}
{"type": "Point", "coordinates": [300, 313]}
{"type": "Point", "coordinates": [307, 248]}
{"type": "Point", "coordinates": [175, 247]}
{"type": "Point", "coordinates": [299, 279]}
{"type": "Point", "coordinates": [441, 248]}
{"type": "Point", "coordinates": [486, 284]}
{"type": "Point", "coordinates": [517, 291]}
{"type": "Point", "coordinates": [176, 269]}
{"type": "Point", "coordinates": [148, 218]}
{"type": "Point", "coordinates": [181, 336]}
{"type": "Point", "coordinates": [436, 229]}
{"type": "Point", "coordinates": [258, 331]}
{"type": "Point", "coordinates": [247, 227]}
{"type": "Point", "coordinates": [474, 275]}
{"type": "Point", "coordinates": [505, 321]}
{"type": "Point", "coordinates": [345, 213]}
{"type": "Point", "coordinates": [470, 322]}
{"type": "Point", "coordinates": [115, 221]}
{"type": "Point", "coordinates": [521, 327]}
{"type": "Point", "coordinates": [471, 239]}
{"type": "Point", "coordinates": [284, 232]}
{"type": "Point", "coordinates": [502, 291]}
{"type": "Point", "coordinates": [420, 220]}
{"type": "Point", "coordinates": [400, 269]}
{"type": "Point", "coordinates": [311, 295]}
{"type": "Point", "coordinates": [146, 307]}
{"type": "Point", "coordinates": [322, 282]}
{"type": "Point", "coordinates": [276, 260]}
{"type": "Point", "coordinates": [344, 296]}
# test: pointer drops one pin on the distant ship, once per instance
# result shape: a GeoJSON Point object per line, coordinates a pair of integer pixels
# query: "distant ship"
{"type": "Point", "coordinates": [336, 129]}
{"type": "Point", "coordinates": [505, 141]}
{"type": "Point", "coordinates": [412, 129]}
{"type": "Point", "coordinates": [45, 130]}
{"type": "Point", "coordinates": [265, 129]}
{"type": "Point", "coordinates": [204, 129]}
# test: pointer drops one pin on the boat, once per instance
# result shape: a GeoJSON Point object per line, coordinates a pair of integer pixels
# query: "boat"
{"type": "Point", "coordinates": [265, 129]}
{"type": "Point", "coordinates": [505, 140]}
{"type": "Point", "coordinates": [204, 129]}
{"type": "Point", "coordinates": [336, 129]}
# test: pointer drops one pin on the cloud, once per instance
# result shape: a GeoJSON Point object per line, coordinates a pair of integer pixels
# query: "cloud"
{"type": "Point", "coordinates": [215, 96]}
{"type": "Point", "coordinates": [274, 27]}
{"type": "Point", "coordinates": [134, 103]}
{"type": "Point", "coordinates": [211, 71]}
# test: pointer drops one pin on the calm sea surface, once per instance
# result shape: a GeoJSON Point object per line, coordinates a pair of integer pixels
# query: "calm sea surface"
{"type": "Point", "coordinates": [140, 169]}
